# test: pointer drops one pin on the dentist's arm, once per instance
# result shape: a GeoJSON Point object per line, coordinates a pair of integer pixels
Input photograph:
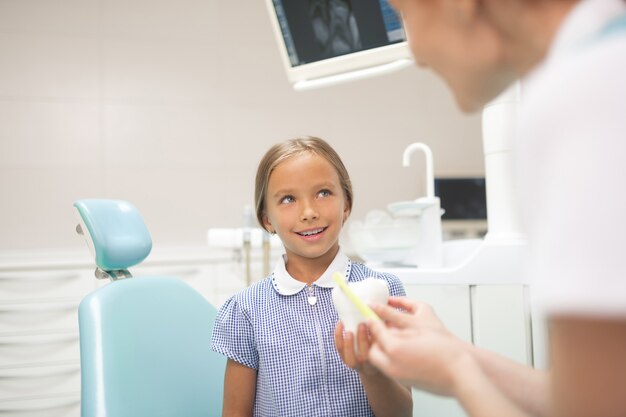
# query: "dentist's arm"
{"type": "Point", "coordinates": [525, 386]}
{"type": "Point", "coordinates": [239, 390]}
{"type": "Point", "coordinates": [416, 348]}
{"type": "Point", "coordinates": [587, 376]}
{"type": "Point", "coordinates": [588, 366]}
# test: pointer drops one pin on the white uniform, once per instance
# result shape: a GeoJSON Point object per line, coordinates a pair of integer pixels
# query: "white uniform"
{"type": "Point", "coordinates": [571, 166]}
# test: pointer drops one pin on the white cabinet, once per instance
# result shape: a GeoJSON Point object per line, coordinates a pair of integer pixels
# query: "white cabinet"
{"type": "Point", "coordinates": [56, 406]}
{"type": "Point", "coordinates": [539, 333]}
{"type": "Point", "coordinates": [494, 316]}
{"type": "Point", "coordinates": [39, 297]}
{"type": "Point", "coordinates": [39, 355]}
{"type": "Point", "coordinates": [501, 320]}
{"type": "Point", "coordinates": [450, 302]}
{"type": "Point", "coordinates": [452, 305]}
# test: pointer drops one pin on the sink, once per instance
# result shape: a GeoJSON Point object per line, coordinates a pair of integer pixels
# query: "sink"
{"type": "Point", "coordinates": [471, 261]}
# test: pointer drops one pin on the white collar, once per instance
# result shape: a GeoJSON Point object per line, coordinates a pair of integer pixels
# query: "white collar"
{"type": "Point", "coordinates": [285, 284]}
{"type": "Point", "coordinates": [584, 20]}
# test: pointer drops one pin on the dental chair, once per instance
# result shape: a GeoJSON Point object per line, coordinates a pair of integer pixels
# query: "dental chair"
{"type": "Point", "coordinates": [145, 343]}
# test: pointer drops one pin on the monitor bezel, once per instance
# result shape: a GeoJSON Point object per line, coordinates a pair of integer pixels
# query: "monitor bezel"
{"type": "Point", "coordinates": [355, 61]}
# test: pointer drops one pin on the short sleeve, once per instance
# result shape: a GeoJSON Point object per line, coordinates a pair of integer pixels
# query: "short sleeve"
{"type": "Point", "coordinates": [396, 288]}
{"type": "Point", "coordinates": [233, 334]}
{"type": "Point", "coordinates": [572, 171]}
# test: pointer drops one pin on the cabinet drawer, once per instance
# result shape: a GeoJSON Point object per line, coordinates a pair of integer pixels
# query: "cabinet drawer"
{"type": "Point", "coordinates": [38, 316]}
{"type": "Point", "coordinates": [37, 348]}
{"type": "Point", "coordinates": [57, 406]}
{"type": "Point", "coordinates": [451, 303]}
{"type": "Point", "coordinates": [501, 320]}
{"type": "Point", "coordinates": [28, 285]}
{"type": "Point", "coordinates": [39, 381]}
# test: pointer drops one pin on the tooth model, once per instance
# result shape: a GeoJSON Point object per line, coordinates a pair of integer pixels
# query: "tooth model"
{"type": "Point", "coordinates": [370, 290]}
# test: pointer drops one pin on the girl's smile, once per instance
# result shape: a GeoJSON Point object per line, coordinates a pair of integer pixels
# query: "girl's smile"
{"type": "Point", "coordinates": [312, 234]}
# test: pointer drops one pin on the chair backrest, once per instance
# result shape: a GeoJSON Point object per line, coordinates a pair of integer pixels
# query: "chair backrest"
{"type": "Point", "coordinates": [145, 344]}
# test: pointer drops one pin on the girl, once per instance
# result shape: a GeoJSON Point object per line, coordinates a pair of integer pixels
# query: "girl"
{"type": "Point", "coordinates": [284, 359]}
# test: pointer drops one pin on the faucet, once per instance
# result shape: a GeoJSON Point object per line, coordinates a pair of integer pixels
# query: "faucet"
{"type": "Point", "coordinates": [406, 161]}
{"type": "Point", "coordinates": [428, 252]}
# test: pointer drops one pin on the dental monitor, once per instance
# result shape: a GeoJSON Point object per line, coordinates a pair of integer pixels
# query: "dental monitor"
{"type": "Point", "coordinates": [464, 201]}
{"type": "Point", "coordinates": [325, 42]}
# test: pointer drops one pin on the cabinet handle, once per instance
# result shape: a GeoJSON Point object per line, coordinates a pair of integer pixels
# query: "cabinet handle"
{"type": "Point", "coordinates": [59, 277]}
{"type": "Point", "coordinates": [37, 307]}
{"type": "Point", "coordinates": [19, 373]}
{"type": "Point", "coordinates": [28, 406]}
{"type": "Point", "coordinates": [38, 339]}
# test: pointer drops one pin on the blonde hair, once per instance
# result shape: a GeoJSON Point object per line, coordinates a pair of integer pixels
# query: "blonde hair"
{"type": "Point", "coordinates": [292, 147]}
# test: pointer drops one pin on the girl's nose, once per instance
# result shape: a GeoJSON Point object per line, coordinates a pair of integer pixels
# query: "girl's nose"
{"type": "Point", "coordinates": [308, 213]}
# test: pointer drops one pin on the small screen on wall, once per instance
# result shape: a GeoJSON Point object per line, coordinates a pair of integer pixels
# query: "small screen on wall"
{"type": "Point", "coordinates": [462, 198]}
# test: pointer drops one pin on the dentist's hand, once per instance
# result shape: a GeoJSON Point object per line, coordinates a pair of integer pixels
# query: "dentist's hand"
{"type": "Point", "coordinates": [353, 351]}
{"type": "Point", "coordinates": [414, 347]}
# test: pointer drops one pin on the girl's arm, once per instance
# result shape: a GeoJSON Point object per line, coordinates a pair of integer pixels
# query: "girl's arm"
{"type": "Point", "coordinates": [239, 390]}
{"type": "Point", "coordinates": [386, 396]}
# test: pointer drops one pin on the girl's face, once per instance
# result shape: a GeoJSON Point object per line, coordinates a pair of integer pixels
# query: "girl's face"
{"type": "Point", "coordinates": [305, 205]}
{"type": "Point", "coordinates": [458, 42]}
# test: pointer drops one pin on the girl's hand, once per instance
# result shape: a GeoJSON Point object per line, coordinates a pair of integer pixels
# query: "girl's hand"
{"type": "Point", "coordinates": [353, 351]}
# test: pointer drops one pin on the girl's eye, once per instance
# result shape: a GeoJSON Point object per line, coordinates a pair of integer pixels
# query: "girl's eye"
{"type": "Point", "coordinates": [287, 199]}
{"type": "Point", "coordinates": [324, 193]}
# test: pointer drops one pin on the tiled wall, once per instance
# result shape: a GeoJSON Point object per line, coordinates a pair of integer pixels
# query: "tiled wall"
{"type": "Point", "coordinates": [171, 104]}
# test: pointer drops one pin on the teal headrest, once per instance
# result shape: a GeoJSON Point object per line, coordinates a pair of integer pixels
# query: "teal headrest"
{"type": "Point", "coordinates": [119, 238]}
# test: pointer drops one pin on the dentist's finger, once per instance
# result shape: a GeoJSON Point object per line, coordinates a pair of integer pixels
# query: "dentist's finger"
{"type": "Point", "coordinates": [380, 360]}
{"type": "Point", "coordinates": [378, 331]}
{"type": "Point", "coordinates": [384, 351]}
{"type": "Point", "coordinates": [406, 304]}
{"type": "Point", "coordinates": [392, 316]}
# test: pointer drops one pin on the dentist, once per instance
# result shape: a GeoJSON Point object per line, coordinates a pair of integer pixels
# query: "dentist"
{"type": "Point", "coordinates": [571, 165]}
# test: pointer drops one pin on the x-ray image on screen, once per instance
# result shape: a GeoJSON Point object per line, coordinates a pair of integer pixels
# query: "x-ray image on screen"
{"type": "Point", "coordinates": [317, 30]}
{"type": "Point", "coordinates": [335, 27]}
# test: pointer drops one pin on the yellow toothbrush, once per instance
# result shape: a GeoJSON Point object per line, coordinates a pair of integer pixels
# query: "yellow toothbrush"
{"type": "Point", "coordinates": [363, 308]}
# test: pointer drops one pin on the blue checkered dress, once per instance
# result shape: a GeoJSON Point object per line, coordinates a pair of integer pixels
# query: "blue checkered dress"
{"type": "Point", "coordinates": [271, 327]}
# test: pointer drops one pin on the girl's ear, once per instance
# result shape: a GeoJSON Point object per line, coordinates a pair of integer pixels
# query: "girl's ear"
{"type": "Point", "coordinates": [346, 213]}
{"type": "Point", "coordinates": [267, 225]}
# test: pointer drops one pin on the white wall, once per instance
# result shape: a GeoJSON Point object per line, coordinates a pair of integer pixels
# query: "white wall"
{"type": "Point", "coordinates": [170, 104]}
